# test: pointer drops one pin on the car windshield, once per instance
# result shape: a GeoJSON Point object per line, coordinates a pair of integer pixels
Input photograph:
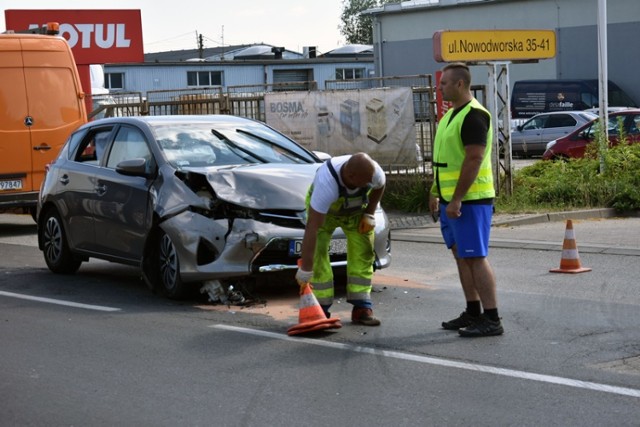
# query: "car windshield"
{"type": "Point", "coordinates": [219, 144]}
{"type": "Point", "coordinates": [613, 126]}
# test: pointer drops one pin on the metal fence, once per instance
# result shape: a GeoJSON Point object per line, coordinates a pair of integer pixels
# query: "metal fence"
{"type": "Point", "coordinates": [248, 101]}
{"type": "Point", "coordinates": [424, 108]}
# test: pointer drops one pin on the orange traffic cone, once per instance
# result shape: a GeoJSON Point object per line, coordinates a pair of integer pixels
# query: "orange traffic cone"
{"type": "Point", "coordinates": [570, 262]}
{"type": "Point", "coordinates": [311, 316]}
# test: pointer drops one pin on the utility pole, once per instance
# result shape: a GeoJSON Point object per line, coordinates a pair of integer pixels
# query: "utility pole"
{"type": "Point", "coordinates": [603, 76]}
{"type": "Point", "coordinates": [200, 45]}
{"type": "Point", "coordinates": [222, 39]}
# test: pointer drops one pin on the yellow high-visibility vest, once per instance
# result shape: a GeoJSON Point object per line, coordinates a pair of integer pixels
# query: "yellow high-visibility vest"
{"type": "Point", "coordinates": [448, 154]}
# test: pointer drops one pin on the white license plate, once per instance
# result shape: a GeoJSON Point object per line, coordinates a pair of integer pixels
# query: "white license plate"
{"type": "Point", "coordinates": [337, 246]}
{"type": "Point", "coordinates": [11, 184]}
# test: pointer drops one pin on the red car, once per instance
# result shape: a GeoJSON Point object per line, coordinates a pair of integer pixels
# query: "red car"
{"type": "Point", "coordinates": [574, 144]}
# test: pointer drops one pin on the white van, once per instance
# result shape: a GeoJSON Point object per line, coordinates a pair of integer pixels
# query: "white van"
{"type": "Point", "coordinates": [41, 102]}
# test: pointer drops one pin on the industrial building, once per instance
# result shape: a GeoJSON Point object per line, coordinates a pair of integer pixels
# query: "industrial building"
{"type": "Point", "coordinates": [235, 66]}
{"type": "Point", "coordinates": [404, 32]}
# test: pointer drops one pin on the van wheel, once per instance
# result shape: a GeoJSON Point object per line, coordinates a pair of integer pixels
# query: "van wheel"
{"type": "Point", "coordinates": [34, 213]}
{"type": "Point", "coordinates": [162, 268]}
{"type": "Point", "coordinates": [56, 251]}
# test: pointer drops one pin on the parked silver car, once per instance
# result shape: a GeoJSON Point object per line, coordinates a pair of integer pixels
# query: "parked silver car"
{"type": "Point", "coordinates": [531, 137]}
{"type": "Point", "coordinates": [188, 199]}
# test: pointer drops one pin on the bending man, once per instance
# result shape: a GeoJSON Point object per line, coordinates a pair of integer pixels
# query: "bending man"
{"type": "Point", "coordinates": [345, 193]}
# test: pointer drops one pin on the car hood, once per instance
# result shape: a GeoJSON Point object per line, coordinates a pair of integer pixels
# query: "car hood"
{"type": "Point", "coordinates": [264, 186]}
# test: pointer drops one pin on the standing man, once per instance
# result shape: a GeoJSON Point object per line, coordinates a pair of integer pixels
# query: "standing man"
{"type": "Point", "coordinates": [345, 193]}
{"type": "Point", "coordinates": [463, 194]}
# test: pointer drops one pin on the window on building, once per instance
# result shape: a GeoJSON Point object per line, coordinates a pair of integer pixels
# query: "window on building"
{"type": "Point", "coordinates": [204, 78]}
{"type": "Point", "coordinates": [114, 80]}
{"type": "Point", "coordinates": [292, 79]}
{"type": "Point", "coordinates": [349, 73]}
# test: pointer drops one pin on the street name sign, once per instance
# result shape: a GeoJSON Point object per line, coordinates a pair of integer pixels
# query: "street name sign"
{"type": "Point", "coordinates": [493, 45]}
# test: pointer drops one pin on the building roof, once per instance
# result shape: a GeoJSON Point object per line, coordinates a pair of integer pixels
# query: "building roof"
{"type": "Point", "coordinates": [419, 4]}
{"type": "Point", "coordinates": [190, 54]}
{"type": "Point", "coordinates": [237, 52]}
{"type": "Point", "coordinates": [264, 51]}
{"type": "Point", "coordinates": [252, 52]}
{"type": "Point", "coordinates": [350, 50]}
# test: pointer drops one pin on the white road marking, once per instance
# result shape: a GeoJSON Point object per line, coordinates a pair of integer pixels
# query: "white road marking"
{"type": "Point", "coordinates": [59, 302]}
{"type": "Point", "coordinates": [443, 362]}
{"type": "Point", "coordinates": [20, 241]}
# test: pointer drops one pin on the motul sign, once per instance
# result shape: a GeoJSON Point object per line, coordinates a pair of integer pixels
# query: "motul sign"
{"type": "Point", "coordinates": [104, 36]}
{"type": "Point", "coordinates": [95, 36]}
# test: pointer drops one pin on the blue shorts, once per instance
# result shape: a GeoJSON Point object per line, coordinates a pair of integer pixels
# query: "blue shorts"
{"type": "Point", "coordinates": [470, 232]}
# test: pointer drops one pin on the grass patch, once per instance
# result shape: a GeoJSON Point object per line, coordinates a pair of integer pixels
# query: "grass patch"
{"type": "Point", "coordinates": [406, 193]}
{"type": "Point", "coordinates": [610, 180]}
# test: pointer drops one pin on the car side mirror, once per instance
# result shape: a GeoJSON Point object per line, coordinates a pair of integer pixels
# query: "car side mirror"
{"type": "Point", "coordinates": [133, 167]}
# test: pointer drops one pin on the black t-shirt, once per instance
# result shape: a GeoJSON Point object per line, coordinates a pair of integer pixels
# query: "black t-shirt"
{"type": "Point", "coordinates": [474, 127]}
{"type": "Point", "coordinates": [474, 132]}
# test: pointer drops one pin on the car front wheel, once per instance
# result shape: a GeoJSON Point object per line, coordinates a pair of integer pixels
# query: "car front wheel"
{"type": "Point", "coordinates": [163, 268]}
{"type": "Point", "coordinates": [56, 251]}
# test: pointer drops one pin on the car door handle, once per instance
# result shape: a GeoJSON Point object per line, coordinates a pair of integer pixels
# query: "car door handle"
{"type": "Point", "coordinates": [101, 189]}
{"type": "Point", "coordinates": [64, 179]}
{"type": "Point", "coordinates": [42, 147]}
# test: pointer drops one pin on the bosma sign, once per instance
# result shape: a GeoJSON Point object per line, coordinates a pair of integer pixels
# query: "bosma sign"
{"type": "Point", "coordinates": [95, 36]}
{"type": "Point", "coordinates": [493, 45]}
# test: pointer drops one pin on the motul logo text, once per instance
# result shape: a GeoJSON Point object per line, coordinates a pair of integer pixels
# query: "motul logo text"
{"type": "Point", "coordinates": [104, 36]}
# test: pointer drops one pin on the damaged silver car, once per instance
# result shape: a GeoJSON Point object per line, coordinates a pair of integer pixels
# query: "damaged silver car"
{"type": "Point", "coordinates": [191, 200]}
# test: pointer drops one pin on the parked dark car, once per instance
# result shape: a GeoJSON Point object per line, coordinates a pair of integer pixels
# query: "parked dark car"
{"type": "Point", "coordinates": [188, 199]}
{"type": "Point", "coordinates": [531, 137]}
{"type": "Point", "coordinates": [575, 144]}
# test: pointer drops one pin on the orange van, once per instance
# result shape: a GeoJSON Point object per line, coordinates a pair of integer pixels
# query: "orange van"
{"type": "Point", "coordinates": [41, 102]}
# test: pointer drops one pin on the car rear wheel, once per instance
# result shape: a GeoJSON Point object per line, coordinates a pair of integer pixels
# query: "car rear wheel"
{"type": "Point", "coordinates": [163, 268]}
{"type": "Point", "coordinates": [56, 251]}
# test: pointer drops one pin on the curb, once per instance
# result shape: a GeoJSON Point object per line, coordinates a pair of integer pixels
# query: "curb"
{"type": "Point", "coordinates": [526, 244]}
{"type": "Point", "coordinates": [400, 222]}
{"type": "Point", "coordinates": [403, 227]}
{"type": "Point", "coordinates": [558, 216]}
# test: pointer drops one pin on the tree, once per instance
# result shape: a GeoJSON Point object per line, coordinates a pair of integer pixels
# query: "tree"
{"type": "Point", "coordinates": [357, 28]}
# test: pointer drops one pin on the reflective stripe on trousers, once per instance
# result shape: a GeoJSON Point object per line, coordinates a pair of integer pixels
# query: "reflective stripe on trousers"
{"type": "Point", "coordinates": [360, 258]}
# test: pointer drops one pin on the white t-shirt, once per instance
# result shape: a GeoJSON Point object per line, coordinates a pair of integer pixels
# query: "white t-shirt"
{"type": "Point", "coordinates": [325, 187]}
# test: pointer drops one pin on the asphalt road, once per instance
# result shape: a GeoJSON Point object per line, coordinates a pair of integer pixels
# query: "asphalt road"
{"type": "Point", "coordinates": [98, 348]}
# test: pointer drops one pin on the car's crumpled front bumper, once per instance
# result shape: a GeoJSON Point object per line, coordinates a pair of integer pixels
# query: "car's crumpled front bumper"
{"type": "Point", "coordinates": [208, 249]}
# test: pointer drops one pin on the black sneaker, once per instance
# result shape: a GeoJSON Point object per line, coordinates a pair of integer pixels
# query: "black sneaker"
{"type": "Point", "coordinates": [482, 327]}
{"type": "Point", "coordinates": [462, 321]}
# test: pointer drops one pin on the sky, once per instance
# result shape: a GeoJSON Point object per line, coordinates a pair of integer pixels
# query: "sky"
{"type": "Point", "coordinates": [175, 25]}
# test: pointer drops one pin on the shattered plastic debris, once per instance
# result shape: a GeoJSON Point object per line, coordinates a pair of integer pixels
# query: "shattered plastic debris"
{"type": "Point", "coordinates": [235, 297]}
{"type": "Point", "coordinates": [217, 294]}
{"type": "Point", "coordinates": [215, 291]}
